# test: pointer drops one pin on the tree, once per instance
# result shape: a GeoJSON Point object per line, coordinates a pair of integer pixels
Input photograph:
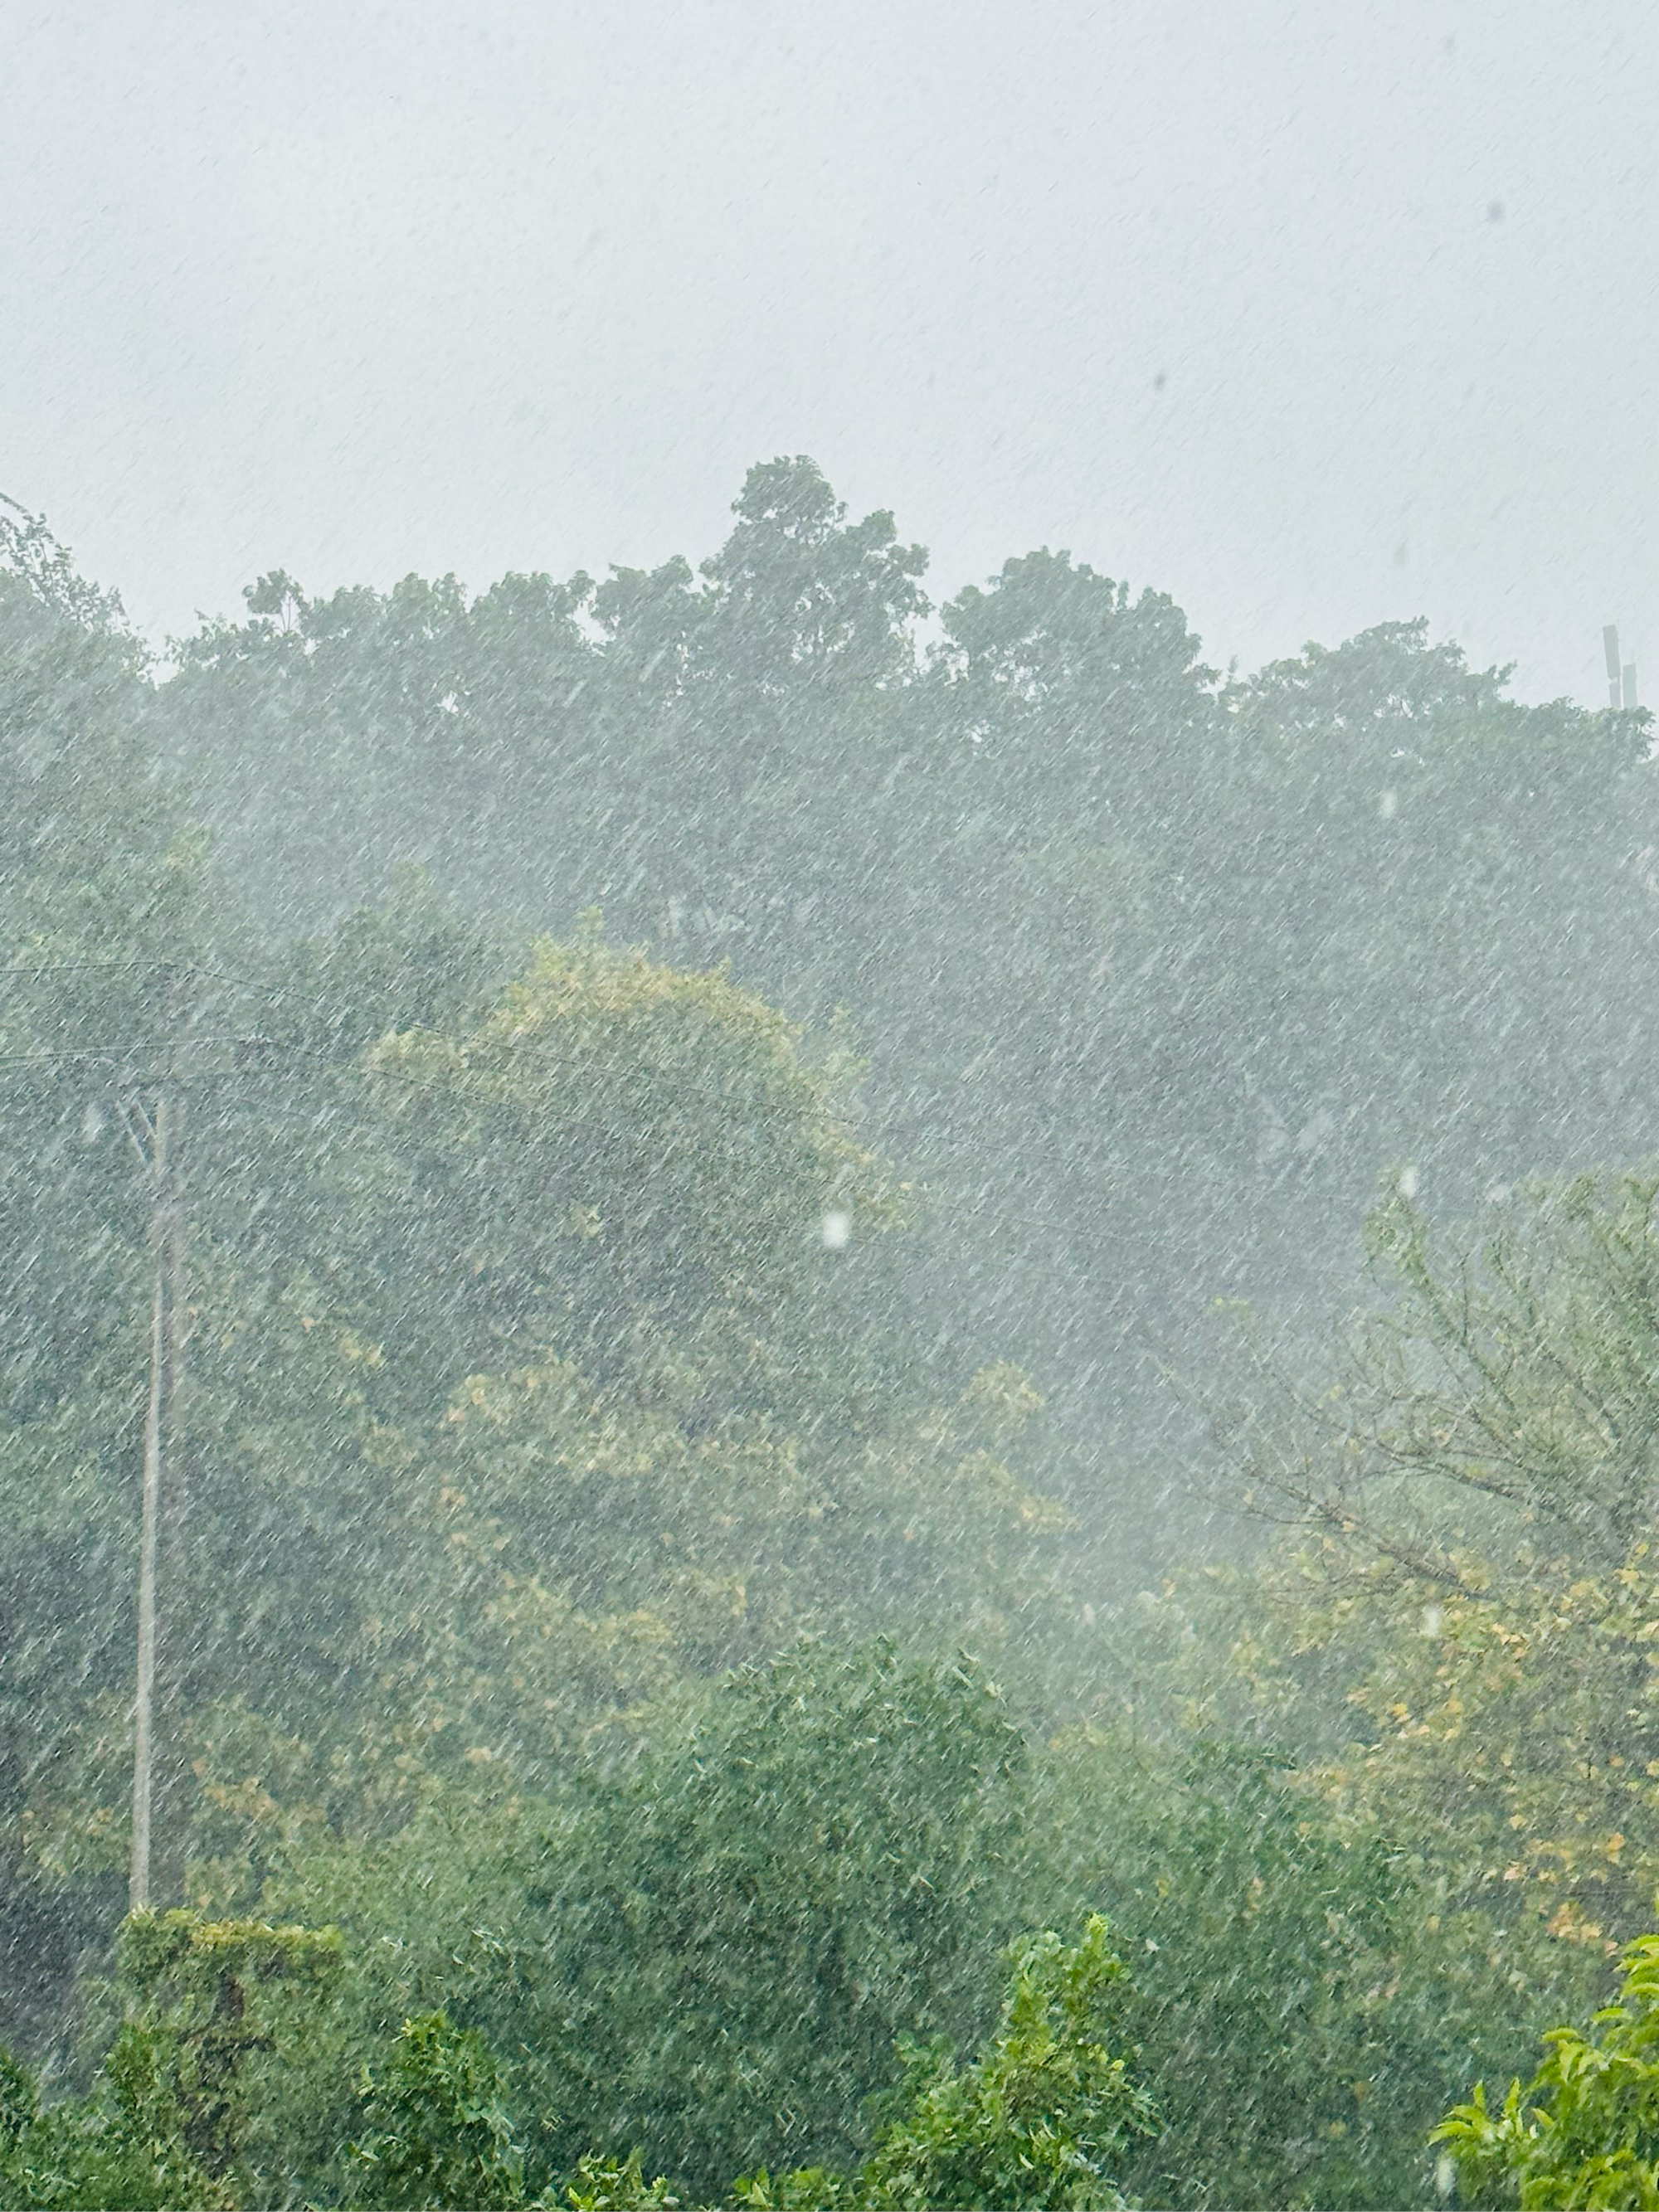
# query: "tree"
{"type": "Point", "coordinates": [1295, 2022]}
{"type": "Point", "coordinates": [1044, 2117]}
{"type": "Point", "coordinates": [108, 915]}
{"type": "Point", "coordinates": [662, 1155]}
{"type": "Point", "coordinates": [401, 727]}
{"type": "Point", "coordinates": [801, 595]}
{"type": "Point", "coordinates": [438, 2132]}
{"type": "Point", "coordinates": [1499, 1420]}
{"type": "Point", "coordinates": [1584, 2132]}
{"type": "Point", "coordinates": [176, 2100]}
{"type": "Point", "coordinates": [197, 1999]}
{"type": "Point", "coordinates": [1157, 970]}
{"type": "Point", "coordinates": [524, 1389]}
{"type": "Point", "coordinates": [706, 1950]}
{"type": "Point", "coordinates": [1456, 1634]}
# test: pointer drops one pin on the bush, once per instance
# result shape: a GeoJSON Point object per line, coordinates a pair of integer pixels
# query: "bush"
{"type": "Point", "coordinates": [1039, 2120]}
{"type": "Point", "coordinates": [1584, 2132]}
{"type": "Point", "coordinates": [439, 2130]}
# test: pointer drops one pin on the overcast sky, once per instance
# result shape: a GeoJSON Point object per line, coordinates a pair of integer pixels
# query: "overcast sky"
{"type": "Point", "coordinates": [1313, 316]}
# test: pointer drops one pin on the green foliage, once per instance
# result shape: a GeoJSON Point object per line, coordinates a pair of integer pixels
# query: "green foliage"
{"type": "Point", "coordinates": [1520, 1374]}
{"type": "Point", "coordinates": [1043, 2117]}
{"type": "Point", "coordinates": [1582, 2135]}
{"type": "Point", "coordinates": [1461, 1633]}
{"type": "Point", "coordinates": [1297, 2030]}
{"type": "Point", "coordinates": [124, 2145]}
{"type": "Point", "coordinates": [1458, 1640]}
{"type": "Point", "coordinates": [420, 1535]}
{"type": "Point", "coordinates": [607, 2185]}
{"type": "Point", "coordinates": [194, 1990]}
{"type": "Point", "coordinates": [107, 908]}
{"type": "Point", "coordinates": [807, 1875]}
{"type": "Point", "coordinates": [803, 2189]}
{"type": "Point", "coordinates": [535, 1408]}
{"type": "Point", "coordinates": [1085, 843]}
{"type": "Point", "coordinates": [20, 2098]}
{"type": "Point", "coordinates": [175, 2106]}
{"type": "Point", "coordinates": [706, 1950]}
{"type": "Point", "coordinates": [697, 1152]}
{"type": "Point", "coordinates": [438, 2133]}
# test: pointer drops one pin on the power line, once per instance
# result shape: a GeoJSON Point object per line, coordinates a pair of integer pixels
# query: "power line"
{"type": "Point", "coordinates": [74, 967]}
{"type": "Point", "coordinates": [112, 1057]}
{"type": "Point", "coordinates": [37, 967]}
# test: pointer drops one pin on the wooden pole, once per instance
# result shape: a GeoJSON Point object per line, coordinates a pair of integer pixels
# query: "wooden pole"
{"type": "Point", "coordinates": [169, 1812]}
{"type": "Point", "coordinates": [143, 1729]}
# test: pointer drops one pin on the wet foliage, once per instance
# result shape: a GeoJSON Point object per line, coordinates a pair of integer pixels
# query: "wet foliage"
{"type": "Point", "coordinates": [732, 1624]}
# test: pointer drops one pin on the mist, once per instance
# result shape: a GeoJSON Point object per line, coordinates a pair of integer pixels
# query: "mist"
{"type": "Point", "coordinates": [831, 1371]}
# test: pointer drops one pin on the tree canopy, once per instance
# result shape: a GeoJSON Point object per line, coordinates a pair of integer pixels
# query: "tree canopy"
{"type": "Point", "coordinates": [684, 1675]}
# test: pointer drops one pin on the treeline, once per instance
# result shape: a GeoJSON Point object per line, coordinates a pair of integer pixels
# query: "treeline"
{"type": "Point", "coordinates": [1156, 970]}
{"type": "Point", "coordinates": [638, 1696]}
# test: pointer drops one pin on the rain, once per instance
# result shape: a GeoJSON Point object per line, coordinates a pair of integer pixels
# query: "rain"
{"type": "Point", "coordinates": [828, 1030]}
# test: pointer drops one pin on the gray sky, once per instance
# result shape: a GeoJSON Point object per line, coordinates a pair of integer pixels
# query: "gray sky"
{"type": "Point", "coordinates": [1312, 316]}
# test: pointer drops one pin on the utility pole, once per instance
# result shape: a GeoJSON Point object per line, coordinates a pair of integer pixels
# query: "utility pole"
{"type": "Point", "coordinates": [155, 1139]}
{"type": "Point", "coordinates": [1621, 677]}
{"type": "Point", "coordinates": [155, 1131]}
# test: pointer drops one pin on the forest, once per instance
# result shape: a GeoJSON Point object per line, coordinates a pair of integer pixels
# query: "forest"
{"type": "Point", "coordinates": [911, 1412]}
